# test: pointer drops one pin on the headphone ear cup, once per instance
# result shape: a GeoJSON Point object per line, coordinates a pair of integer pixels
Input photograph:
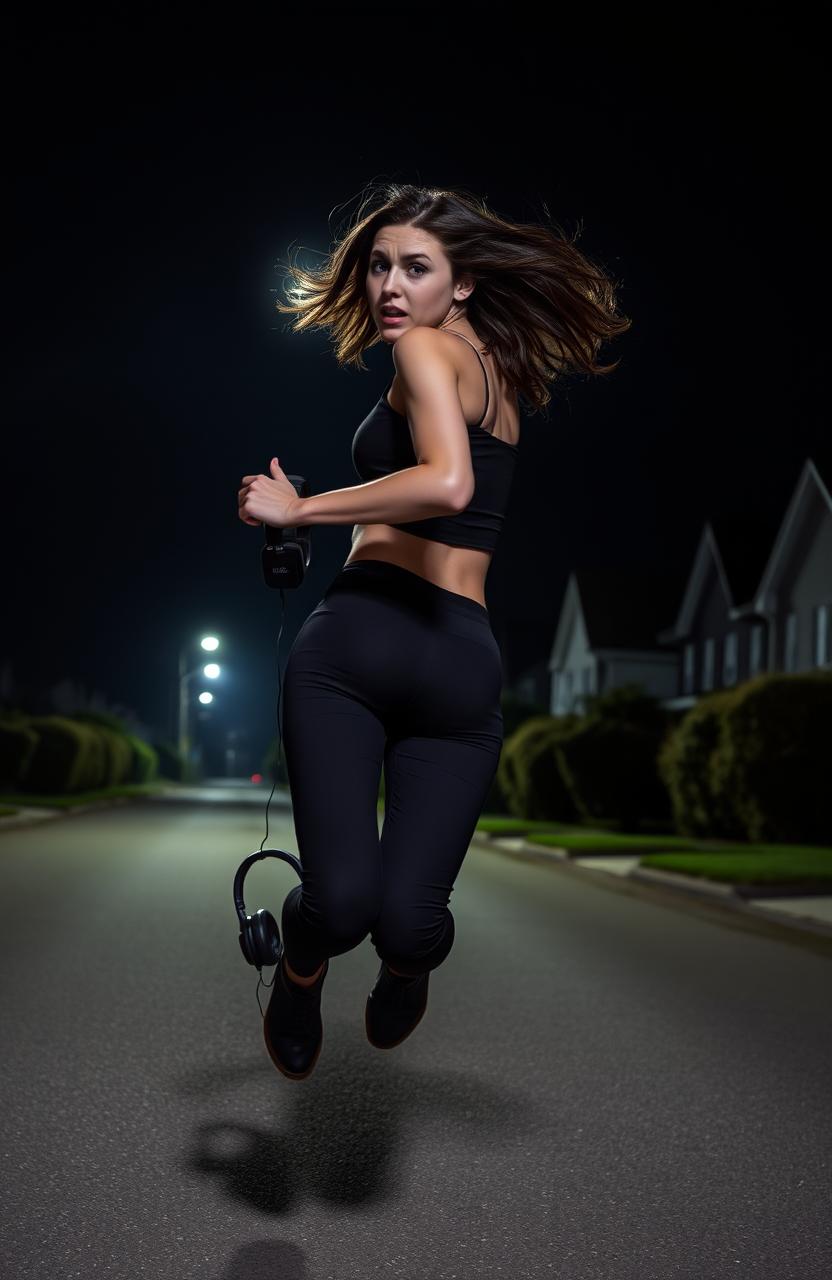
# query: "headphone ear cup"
{"type": "Point", "coordinates": [260, 940]}
{"type": "Point", "coordinates": [246, 942]}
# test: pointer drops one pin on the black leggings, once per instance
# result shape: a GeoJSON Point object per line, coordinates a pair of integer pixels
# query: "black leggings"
{"type": "Point", "coordinates": [388, 670]}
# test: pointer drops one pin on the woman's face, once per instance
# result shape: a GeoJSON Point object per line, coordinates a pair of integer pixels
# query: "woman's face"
{"type": "Point", "coordinates": [408, 270]}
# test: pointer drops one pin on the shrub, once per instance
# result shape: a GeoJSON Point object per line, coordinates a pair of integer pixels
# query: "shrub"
{"type": "Point", "coordinates": [609, 767]}
{"type": "Point", "coordinates": [773, 761]}
{"type": "Point", "coordinates": [69, 756]}
{"type": "Point", "coordinates": [528, 773]}
{"type": "Point", "coordinates": [684, 765]}
{"type": "Point", "coordinates": [18, 741]}
{"type": "Point", "coordinates": [170, 762]}
{"type": "Point", "coordinates": [628, 704]}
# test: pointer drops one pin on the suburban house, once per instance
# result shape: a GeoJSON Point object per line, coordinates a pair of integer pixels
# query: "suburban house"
{"type": "Point", "coordinates": [758, 597]}
{"type": "Point", "coordinates": [606, 636]}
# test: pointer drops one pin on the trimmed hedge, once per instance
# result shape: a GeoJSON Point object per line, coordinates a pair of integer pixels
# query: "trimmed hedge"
{"type": "Point", "coordinates": [684, 765]}
{"type": "Point", "coordinates": [528, 773]}
{"type": "Point", "coordinates": [754, 762]}
{"type": "Point", "coordinates": [131, 758]}
{"type": "Point", "coordinates": [609, 767]}
{"type": "Point", "coordinates": [18, 741]}
{"type": "Point", "coordinates": [773, 761]}
{"type": "Point", "coordinates": [69, 756]}
{"type": "Point", "coordinates": [54, 754]}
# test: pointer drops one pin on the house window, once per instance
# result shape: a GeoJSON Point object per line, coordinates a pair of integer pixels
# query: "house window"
{"type": "Point", "coordinates": [586, 680]}
{"type": "Point", "coordinates": [756, 656]}
{"type": "Point", "coordinates": [708, 664]}
{"type": "Point", "coordinates": [687, 667]}
{"type": "Point", "coordinates": [790, 655]}
{"type": "Point", "coordinates": [729, 659]}
{"type": "Point", "coordinates": [822, 637]}
{"type": "Point", "coordinates": [563, 691]}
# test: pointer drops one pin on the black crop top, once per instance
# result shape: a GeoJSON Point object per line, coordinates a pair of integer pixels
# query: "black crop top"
{"type": "Point", "coordinates": [382, 444]}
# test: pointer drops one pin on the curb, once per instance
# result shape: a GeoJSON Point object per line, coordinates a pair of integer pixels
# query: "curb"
{"type": "Point", "coordinates": [684, 884]}
{"type": "Point", "coordinates": [26, 817]}
{"type": "Point", "coordinates": [30, 817]}
{"type": "Point", "coordinates": [745, 892]}
{"type": "Point", "coordinates": [652, 882]}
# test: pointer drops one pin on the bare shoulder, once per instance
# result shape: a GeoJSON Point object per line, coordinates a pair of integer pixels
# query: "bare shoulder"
{"type": "Point", "coordinates": [420, 341]}
{"type": "Point", "coordinates": [425, 390]}
{"type": "Point", "coordinates": [425, 353]}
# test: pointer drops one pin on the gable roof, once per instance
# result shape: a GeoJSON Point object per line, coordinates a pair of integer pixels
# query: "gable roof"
{"type": "Point", "coordinates": [809, 493]}
{"type": "Point", "coordinates": [743, 543]}
{"type": "Point", "coordinates": [624, 608]}
{"type": "Point", "coordinates": [736, 547]}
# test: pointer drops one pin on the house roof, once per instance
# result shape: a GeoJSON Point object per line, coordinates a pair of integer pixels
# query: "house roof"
{"type": "Point", "coordinates": [744, 543]}
{"type": "Point", "coordinates": [625, 608]}
{"type": "Point", "coordinates": [811, 493]}
{"type": "Point", "coordinates": [745, 548]}
{"type": "Point", "coordinates": [525, 644]}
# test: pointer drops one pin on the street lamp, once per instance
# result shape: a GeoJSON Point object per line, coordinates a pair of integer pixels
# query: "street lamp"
{"type": "Point", "coordinates": [210, 670]}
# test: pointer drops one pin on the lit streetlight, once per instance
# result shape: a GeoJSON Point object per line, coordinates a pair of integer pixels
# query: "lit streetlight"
{"type": "Point", "coordinates": [210, 671]}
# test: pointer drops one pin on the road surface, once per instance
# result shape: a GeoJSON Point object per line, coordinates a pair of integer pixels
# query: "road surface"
{"type": "Point", "coordinates": [602, 1087]}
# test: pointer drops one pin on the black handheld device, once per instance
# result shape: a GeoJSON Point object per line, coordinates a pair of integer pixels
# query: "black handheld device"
{"type": "Point", "coordinates": [285, 554]}
{"type": "Point", "coordinates": [284, 559]}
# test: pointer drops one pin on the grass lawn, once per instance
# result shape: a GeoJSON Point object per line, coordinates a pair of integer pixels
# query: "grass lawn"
{"type": "Point", "coordinates": [757, 864]}
{"type": "Point", "coordinates": [583, 838]}
{"type": "Point", "coordinates": [503, 824]}
{"type": "Point", "coordinates": [584, 841]}
{"type": "Point", "coordinates": [730, 862]}
{"type": "Point", "coordinates": [30, 800]}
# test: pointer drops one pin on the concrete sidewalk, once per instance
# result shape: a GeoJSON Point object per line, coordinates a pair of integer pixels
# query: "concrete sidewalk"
{"type": "Point", "coordinates": [810, 914]}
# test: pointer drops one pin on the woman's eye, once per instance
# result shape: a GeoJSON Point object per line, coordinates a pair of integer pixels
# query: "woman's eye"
{"type": "Point", "coordinates": [416, 266]}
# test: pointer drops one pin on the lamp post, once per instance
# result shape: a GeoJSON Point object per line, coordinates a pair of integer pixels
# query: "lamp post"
{"type": "Point", "coordinates": [211, 670]}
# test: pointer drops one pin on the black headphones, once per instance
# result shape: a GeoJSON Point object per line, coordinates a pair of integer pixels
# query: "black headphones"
{"type": "Point", "coordinates": [284, 559]}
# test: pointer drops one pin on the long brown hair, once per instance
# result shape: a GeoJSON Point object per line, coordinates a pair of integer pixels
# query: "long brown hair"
{"type": "Point", "coordinates": [541, 306]}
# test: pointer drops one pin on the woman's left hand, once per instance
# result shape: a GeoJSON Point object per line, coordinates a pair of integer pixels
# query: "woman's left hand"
{"type": "Point", "coordinates": [273, 501]}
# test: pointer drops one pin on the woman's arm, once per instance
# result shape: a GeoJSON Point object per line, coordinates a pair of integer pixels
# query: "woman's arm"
{"type": "Point", "coordinates": [442, 482]}
{"type": "Point", "coordinates": [412, 494]}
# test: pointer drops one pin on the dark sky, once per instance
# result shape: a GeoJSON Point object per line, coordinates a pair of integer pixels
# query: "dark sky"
{"type": "Point", "coordinates": [160, 177]}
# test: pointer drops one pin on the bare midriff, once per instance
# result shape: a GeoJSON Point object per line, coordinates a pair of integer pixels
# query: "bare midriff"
{"type": "Point", "coordinates": [459, 569]}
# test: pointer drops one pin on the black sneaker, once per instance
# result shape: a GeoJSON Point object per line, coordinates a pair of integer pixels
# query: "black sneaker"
{"type": "Point", "coordinates": [394, 1007]}
{"type": "Point", "coordinates": [292, 1025]}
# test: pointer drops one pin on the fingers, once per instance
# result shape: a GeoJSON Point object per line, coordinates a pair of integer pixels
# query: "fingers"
{"type": "Point", "coordinates": [242, 494]}
{"type": "Point", "coordinates": [241, 498]}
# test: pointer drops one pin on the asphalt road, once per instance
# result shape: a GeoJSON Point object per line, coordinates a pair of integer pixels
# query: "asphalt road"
{"type": "Point", "coordinates": [602, 1087]}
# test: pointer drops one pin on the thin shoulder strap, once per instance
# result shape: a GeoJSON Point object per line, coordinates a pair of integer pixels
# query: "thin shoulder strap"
{"type": "Point", "coordinates": [485, 375]}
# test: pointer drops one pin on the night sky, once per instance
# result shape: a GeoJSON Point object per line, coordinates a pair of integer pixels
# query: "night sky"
{"type": "Point", "coordinates": [159, 180]}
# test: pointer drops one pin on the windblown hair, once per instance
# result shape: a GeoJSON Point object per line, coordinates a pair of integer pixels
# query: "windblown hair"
{"type": "Point", "coordinates": [541, 306]}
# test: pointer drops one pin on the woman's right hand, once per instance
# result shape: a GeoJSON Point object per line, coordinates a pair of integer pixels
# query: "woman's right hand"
{"type": "Point", "coordinates": [252, 520]}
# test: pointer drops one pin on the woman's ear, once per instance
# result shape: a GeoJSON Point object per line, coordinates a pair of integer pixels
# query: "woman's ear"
{"type": "Point", "coordinates": [463, 288]}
